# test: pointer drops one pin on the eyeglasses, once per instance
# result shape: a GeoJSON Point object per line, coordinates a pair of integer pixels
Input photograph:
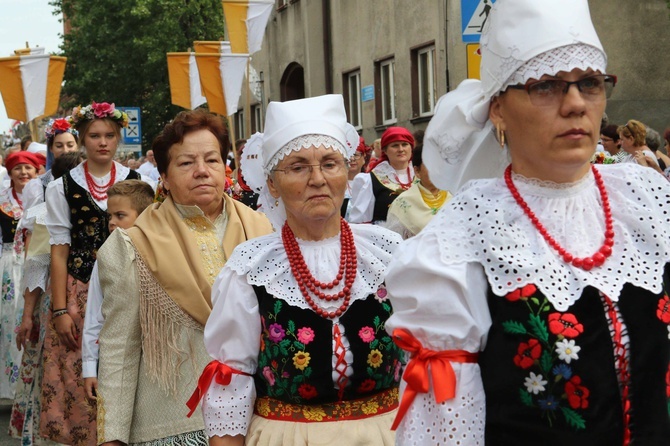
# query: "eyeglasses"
{"type": "Point", "coordinates": [356, 156]}
{"type": "Point", "coordinates": [329, 168]}
{"type": "Point", "coordinates": [551, 91]}
{"type": "Point", "coordinates": [606, 139]}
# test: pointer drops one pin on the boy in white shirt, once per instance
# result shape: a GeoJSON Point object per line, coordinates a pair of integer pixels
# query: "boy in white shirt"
{"type": "Point", "coordinates": [126, 201]}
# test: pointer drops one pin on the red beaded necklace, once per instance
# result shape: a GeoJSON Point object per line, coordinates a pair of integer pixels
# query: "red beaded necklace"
{"type": "Point", "coordinates": [16, 197]}
{"type": "Point", "coordinates": [585, 263]}
{"type": "Point", "coordinates": [306, 281]}
{"type": "Point", "coordinates": [405, 186]}
{"type": "Point", "coordinates": [99, 193]}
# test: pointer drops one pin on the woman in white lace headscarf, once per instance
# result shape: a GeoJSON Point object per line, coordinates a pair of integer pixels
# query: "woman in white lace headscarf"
{"type": "Point", "coordinates": [534, 305]}
{"type": "Point", "coordinates": [298, 361]}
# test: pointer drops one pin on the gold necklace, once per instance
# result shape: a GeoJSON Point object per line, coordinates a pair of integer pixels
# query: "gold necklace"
{"type": "Point", "coordinates": [434, 202]}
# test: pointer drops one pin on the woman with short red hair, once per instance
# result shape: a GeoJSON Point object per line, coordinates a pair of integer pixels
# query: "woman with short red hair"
{"type": "Point", "coordinates": [372, 194]}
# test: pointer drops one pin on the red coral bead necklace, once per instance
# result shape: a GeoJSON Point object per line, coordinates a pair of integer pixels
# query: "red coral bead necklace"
{"type": "Point", "coordinates": [405, 186]}
{"type": "Point", "coordinates": [307, 283]}
{"type": "Point", "coordinates": [99, 193]}
{"type": "Point", "coordinates": [585, 263]}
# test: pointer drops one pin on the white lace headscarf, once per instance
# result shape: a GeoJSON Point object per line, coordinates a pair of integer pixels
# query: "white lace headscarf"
{"type": "Point", "coordinates": [291, 126]}
{"type": "Point", "coordinates": [522, 40]}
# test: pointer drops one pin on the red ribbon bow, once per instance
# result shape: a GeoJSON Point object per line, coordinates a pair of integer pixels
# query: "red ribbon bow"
{"type": "Point", "coordinates": [416, 372]}
{"type": "Point", "coordinates": [215, 370]}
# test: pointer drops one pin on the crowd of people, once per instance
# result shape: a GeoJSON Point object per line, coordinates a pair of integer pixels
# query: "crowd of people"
{"type": "Point", "coordinates": [498, 279]}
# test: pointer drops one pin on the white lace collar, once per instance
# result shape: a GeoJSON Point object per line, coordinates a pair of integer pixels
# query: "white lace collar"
{"type": "Point", "coordinates": [79, 177]}
{"type": "Point", "coordinates": [484, 224]}
{"type": "Point", "coordinates": [387, 174]}
{"type": "Point", "coordinates": [265, 263]}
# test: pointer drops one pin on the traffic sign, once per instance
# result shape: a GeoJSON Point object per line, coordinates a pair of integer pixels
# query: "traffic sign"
{"type": "Point", "coordinates": [368, 93]}
{"type": "Point", "coordinates": [474, 14]}
{"type": "Point", "coordinates": [132, 135]}
{"type": "Point", "coordinates": [474, 57]}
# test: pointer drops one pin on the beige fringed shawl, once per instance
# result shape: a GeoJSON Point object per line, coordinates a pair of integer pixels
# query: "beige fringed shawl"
{"type": "Point", "coordinates": [175, 292]}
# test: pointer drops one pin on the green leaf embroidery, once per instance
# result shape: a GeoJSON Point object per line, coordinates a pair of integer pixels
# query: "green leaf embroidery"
{"type": "Point", "coordinates": [546, 362]}
{"type": "Point", "coordinates": [573, 418]}
{"type": "Point", "coordinates": [387, 340]}
{"type": "Point", "coordinates": [308, 372]}
{"type": "Point", "coordinates": [291, 326]}
{"type": "Point", "coordinates": [294, 389]}
{"type": "Point", "coordinates": [376, 321]}
{"type": "Point", "coordinates": [277, 306]}
{"type": "Point", "coordinates": [526, 399]}
{"type": "Point", "coordinates": [539, 327]}
{"type": "Point", "coordinates": [535, 300]}
{"type": "Point", "coordinates": [514, 327]}
{"type": "Point", "coordinates": [374, 344]}
{"type": "Point", "coordinates": [299, 345]}
{"type": "Point", "coordinates": [299, 379]}
{"type": "Point", "coordinates": [386, 307]}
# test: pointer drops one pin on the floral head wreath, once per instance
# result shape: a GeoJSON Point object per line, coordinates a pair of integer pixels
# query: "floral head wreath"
{"type": "Point", "coordinates": [98, 110]}
{"type": "Point", "coordinates": [58, 126]}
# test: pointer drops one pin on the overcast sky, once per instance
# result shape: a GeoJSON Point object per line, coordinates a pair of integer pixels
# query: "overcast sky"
{"type": "Point", "coordinates": [24, 21]}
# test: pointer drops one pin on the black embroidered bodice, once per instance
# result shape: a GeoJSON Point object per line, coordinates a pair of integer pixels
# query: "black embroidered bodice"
{"type": "Point", "coordinates": [295, 358]}
{"type": "Point", "coordinates": [8, 225]}
{"type": "Point", "coordinates": [383, 198]}
{"type": "Point", "coordinates": [551, 378]}
{"type": "Point", "coordinates": [89, 227]}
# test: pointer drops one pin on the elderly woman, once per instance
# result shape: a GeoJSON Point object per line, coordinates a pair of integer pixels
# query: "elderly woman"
{"type": "Point", "coordinates": [151, 349]}
{"type": "Point", "coordinates": [390, 175]}
{"type": "Point", "coordinates": [297, 328]}
{"type": "Point", "coordinates": [537, 300]}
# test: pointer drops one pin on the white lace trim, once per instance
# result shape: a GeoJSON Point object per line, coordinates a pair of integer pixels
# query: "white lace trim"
{"type": "Point", "coordinates": [484, 224]}
{"type": "Point", "coordinates": [304, 142]}
{"type": "Point", "coordinates": [60, 239]}
{"type": "Point", "coordinates": [385, 170]}
{"type": "Point", "coordinates": [36, 272]}
{"type": "Point", "coordinates": [565, 58]}
{"type": "Point", "coordinates": [265, 263]}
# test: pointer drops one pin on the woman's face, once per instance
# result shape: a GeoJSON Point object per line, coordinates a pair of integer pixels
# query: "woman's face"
{"type": "Point", "coordinates": [627, 143]}
{"type": "Point", "coordinates": [399, 154]}
{"type": "Point", "coordinates": [63, 143]}
{"type": "Point", "coordinates": [310, 197]}
{"type": "Point", "coordinates": [609, 144]}
{"type": "Point", "coordinates": [356, 163]}
{"type": "Point", "coordinates": [101, 141]}
{"type": "Point", "coordinates": [551, 142]}
{"type": "Point", "coordinates": [196, 173]}
{"type": "Point", "coordinates": [21, 174]}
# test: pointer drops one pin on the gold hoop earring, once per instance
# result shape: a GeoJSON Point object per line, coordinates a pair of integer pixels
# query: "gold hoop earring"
{"type": "Point", "coordinates": [277, 203]}
{"type": "Point", "coordinates": [500, 133]}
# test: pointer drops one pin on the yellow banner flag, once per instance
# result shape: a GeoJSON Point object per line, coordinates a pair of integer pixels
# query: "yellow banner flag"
{"type": "Point", "coordinates": [30, 85]}
{"type": "Point", "coordinates": [246, 21]}
{"type": "Point", "coordinates": [214, 46]}
{"type": "Point", "coordinates": [185, 88]}
{"type": "Point", "coordinates": [221, 77]}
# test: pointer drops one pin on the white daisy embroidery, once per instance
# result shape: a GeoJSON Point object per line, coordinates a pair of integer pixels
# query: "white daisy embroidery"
{"type": "Point", "coordinates": [567, 350]}
{"type": "Point", "coordinates": [535, 383]}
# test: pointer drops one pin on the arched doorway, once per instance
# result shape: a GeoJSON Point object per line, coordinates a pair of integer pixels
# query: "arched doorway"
{"type": "Point", "coordinates": [292, 85]}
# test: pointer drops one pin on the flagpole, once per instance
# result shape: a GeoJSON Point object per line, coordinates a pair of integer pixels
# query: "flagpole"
{"type": "Point", "coordinates": [247, 105]}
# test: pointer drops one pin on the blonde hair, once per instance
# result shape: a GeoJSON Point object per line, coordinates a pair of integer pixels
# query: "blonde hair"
{"type": "Point", "coordinates": [141, 195]}
{"type": "Point", "coordinates": [634, 129]}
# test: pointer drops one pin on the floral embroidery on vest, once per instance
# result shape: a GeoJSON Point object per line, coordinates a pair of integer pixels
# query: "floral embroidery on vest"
{"type": "Point", "coordinates": [550, 344]}
{"type": "Point", "coordinates": [663, 314]}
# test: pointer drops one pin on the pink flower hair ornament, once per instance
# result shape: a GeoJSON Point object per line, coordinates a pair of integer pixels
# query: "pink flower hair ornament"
{"type": "Point", "coordinates": [98, 110]}
{"type": "Point", "coordinates": [58, 126]}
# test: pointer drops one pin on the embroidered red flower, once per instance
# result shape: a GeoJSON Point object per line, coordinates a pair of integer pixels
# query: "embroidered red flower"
{"type": "Point", "coordinates": [521, 293]}
{"type": "Point", "coordinates": [565, 324]}
{"type": "Point", "coordinates": [307, 391]}
{"type": "Point", "coordinates": [576, 393]}
{"type": "Point", "coordinates": [367, 385]}
{"type": "Point", "coordinates": [528, 353]}
{"type": "Point", "coordinates": [663, 311]}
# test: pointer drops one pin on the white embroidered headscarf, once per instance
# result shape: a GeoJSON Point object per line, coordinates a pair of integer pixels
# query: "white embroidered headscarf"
{"type": "Point", "coordinates": [522, 40]}
{"type": "Point", "coordinates": [292, 126]}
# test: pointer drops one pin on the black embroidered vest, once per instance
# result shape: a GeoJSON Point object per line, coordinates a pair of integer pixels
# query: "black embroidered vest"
{"type": "Point", "coordinates": [8, 225]}
{"type": "Point", "coordinates": [295, 358]}
{"type": "Point", "coordinates": [383, 198]}
{"type": "Point", "coordinates": [89, 227]}
{"type": "Point", "coordinates": [550, 376]}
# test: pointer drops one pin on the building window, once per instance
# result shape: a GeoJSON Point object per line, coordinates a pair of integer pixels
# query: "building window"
{"type": "Point", "coordinates": [281, 4]}
{"type": "Point", "coordinates": [385, 88]}
{"type": "Point", "coordinates": [424, 88]}
{"type": "Point", "coordinates": [240, 132]}
{"type": "Point", "coordinates": [256, 118]}
{"type": "Point", "coordinates": [352, 98]}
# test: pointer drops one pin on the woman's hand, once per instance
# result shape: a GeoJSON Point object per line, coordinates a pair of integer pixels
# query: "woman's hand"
{"type": "Point", "coordinates": [91, 387]}
{"type": "Point", "coordinates": [24, 331]}
{"type": "Point", "coordinates": [641, 158]}
{"type": "Point", "coordinates": [67, 331]}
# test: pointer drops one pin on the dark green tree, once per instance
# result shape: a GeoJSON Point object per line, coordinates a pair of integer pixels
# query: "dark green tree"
{"type": "Point", "coordinates": [116, 51]}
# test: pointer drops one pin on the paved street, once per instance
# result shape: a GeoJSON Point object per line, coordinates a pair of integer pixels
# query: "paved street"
{"type": "Point", "coordinates": [5, 410]}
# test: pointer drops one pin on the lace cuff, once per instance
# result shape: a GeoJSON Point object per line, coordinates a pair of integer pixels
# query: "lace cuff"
{"type": "Point", "coordinates": [227, 410]}
{"type": "Point", "coordinates": [60, 239]}
{"type": "Point", "coordinates": [36, 272]}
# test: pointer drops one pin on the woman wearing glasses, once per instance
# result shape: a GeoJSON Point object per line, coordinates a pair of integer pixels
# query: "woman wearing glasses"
{"type": "Point", "coordinates": [297, 328]}
{"type": "Point", "coordinates": [357, 164]}
{"type": "Point", "coordinates": [536, 302]}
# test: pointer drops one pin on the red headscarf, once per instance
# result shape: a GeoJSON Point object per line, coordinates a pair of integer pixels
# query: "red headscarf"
{"type": "Point", "coordinates": [392, 134]}
{"type": "Point", "coordinates": [16, 158]}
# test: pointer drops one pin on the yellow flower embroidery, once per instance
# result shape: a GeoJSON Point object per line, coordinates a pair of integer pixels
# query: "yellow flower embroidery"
{"type": "Point", "coordinates": [375, 358]}
{"type": "Point", "coordinates": [263, 408]}
{"type": "Point", "coordinates": [301, 360]}
{"type": "Point", "coordinates": [369, 408]}
{"type": "Point", "coordinates": [313, 413]}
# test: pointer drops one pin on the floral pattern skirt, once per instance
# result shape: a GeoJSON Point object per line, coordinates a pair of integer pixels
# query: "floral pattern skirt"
{"type": "Point", "coordinates": [11, 313]}
{"type": "Point", "coordinates": [67, 415]}
{"type": "Point", "coordinates": [25, 418]}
